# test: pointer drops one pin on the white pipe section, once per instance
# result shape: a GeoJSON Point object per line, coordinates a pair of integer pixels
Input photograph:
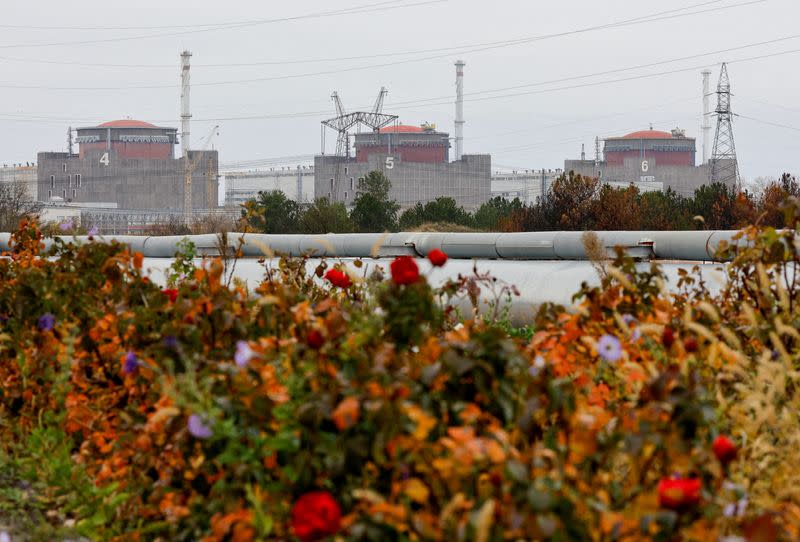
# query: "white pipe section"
{"type": "Point", "coordinates": [459, 109]}
{"type": "Point", "coordinates": [185, 103]}
{"type": "Point", "coordinates": [644, 245]}
{"type": "Point", "coordinates": [537, 282]}
{"type": "Point", "coordinates": [706, 116]}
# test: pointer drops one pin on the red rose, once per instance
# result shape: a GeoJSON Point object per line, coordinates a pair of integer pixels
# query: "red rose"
{"type": "Point", "coordinates": [171, 293]}
{"type": "Point", "coordinates": [316, 515]}
{"type": "Point", "coordinates": [724, 449]}
{"type": "Point", "coordinates": [690, 344]}
{"type": "Point", "coordinates": [338, 278]}
{"type": "Point", "coordinates": [668, 337]}
{"type": "Point", "coordinates": [404, 270]}
{"type": "Point", "coordinates": [437, 257]}
{"type": "Point", "coordinates": [315, 339]}
{"type": "Point", "coordinates": [677, 494]}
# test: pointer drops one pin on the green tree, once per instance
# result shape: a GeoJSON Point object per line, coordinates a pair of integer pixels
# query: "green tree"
{"type": "Point", "coordinates": [373, 209]}
{"type": "Point", "coordinates": [326, 217]}
{"type": "Point", "coordinates": [439, 210]}
{"type": "Point", "coordinates": [490, 215]}
{"type": "Point", "coordinates": [570, 201]}
{"type": "Point", "coordinates": [715, 203]}
{"type": "Point", "coordinates": [272, 212]}
{"type": "Point", "coordinates": [665, 210]}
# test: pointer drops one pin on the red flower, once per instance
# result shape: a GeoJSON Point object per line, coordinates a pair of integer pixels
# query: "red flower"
{"type": "Point", "coordinates": [315, 339]}
{"type": "Point", "coordinates": [724, 449]}
{"type": "Point", "coordinates": [338, 278]}
{"type": "Point", "coordinates": [677, 494]}
{"type": "Point", "coordinates": [404, 270]}
{"type": "Point", "coordinates": [316, 515]}
{"type": "Point", "coordinates": [690, 344]}
{"type": "Point", "coordinates": [668, 337]}
{"type": "Point", "coordinates": [171, 293]}
{"type": "Point", "coordinates": [437, 257]}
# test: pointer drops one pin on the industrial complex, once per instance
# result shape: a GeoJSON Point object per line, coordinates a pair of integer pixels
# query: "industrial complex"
{"type": "Point", "coordinates": [125, 174]}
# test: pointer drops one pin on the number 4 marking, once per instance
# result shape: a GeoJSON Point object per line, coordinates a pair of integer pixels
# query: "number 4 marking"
{"type": "Point", "coordinates": [104, 159]}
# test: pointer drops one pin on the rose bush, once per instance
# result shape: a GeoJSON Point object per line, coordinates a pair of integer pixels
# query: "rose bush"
{"type": "Point", "coordinates": [364, 409]}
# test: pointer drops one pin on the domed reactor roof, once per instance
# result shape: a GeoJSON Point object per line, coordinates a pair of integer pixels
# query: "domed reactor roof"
{"type": "Point", "coordinates": [648, 134]}
{"type": "Point", "coordinates": [127, 123]}
{"type": "Point", "coordinates": [402, 129]}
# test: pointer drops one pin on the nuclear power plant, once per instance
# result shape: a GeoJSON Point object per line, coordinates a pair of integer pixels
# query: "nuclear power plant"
{"type": "Point", "coordinates": [415, 159]}
{"type": "Point", "coordinates": [658, 160]}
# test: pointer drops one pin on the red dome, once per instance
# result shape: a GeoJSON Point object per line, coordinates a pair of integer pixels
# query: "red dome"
{"type": "Point", "coordinates": [648, 134]}
{"type": "Point", "coordinates": [402, 129]}
{"type": "Point", "coordinates": [127, 123]}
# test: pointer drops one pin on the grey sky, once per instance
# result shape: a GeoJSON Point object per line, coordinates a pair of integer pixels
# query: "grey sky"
{"type": "Point", "coordinates": [532, 129]}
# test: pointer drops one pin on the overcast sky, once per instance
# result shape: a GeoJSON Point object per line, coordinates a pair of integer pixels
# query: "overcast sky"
{"type": "Point", "coordinates": [547, 110]}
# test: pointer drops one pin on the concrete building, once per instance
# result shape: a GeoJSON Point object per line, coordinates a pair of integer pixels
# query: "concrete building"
{"type": "Point", "coordinates": [297, 183]}
{"type": "Point", "coordinates": [129, 164]}
{"type": "Point", "coordinates": [415, 160]}
{"type": "Point", "coordinates": [19, 173]}
{"type": "Point", "coordinates": [647, 159]}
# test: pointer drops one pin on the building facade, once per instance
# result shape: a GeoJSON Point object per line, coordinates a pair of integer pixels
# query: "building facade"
{"type": "Point", "coordinates": [416, 162]}
{"type": "Point", "coordinates": [128, 164]}
{"type": "Point", "coordinates": [297, 183]}
{"type": "Point", "coordinates": [648, 159]}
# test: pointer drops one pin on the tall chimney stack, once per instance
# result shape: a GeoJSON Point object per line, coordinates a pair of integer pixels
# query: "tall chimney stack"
{"type": "Point", "coordinates": [706, 116]}
{"type": "Point", "coordinates": [185, 106]}
{"type": "Point", "coordinates": [459, 109]}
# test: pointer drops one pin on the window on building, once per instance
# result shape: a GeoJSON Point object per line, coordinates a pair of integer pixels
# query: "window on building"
{"type": "Point", "coordinates": [78, 180]}
{"type": "Point", "coordinates": [64, 166]}
{"type": "Point", "coordinates": [52, 181]}
{"type": "Point", "coordinates": [65, 193]}
{"type": "Point", "coordinates": [345, 171]}
{"type": "Point", "coordinates": [352, 183]}
{"type": "Point", "coordinates": [49, 194]}
{"type": "Point", "coordinates": [74, 193]}
{"type": "Point", "coordinates": [331, 184]}
{"type": "Point", "coordinates": [329, 195]}
{"type": "Point", "coordinates": [69, 180]}
{"type": "Point", "coordinates": [345, 194]}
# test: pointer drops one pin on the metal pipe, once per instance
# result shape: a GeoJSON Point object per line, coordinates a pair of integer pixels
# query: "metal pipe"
{"type": "Point", "coordinates": [643, 245]}
{"type": "Point", "coordinates": [459, 109]}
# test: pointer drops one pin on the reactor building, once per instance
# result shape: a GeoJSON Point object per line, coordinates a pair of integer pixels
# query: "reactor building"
{"type": "Point", "coordinates": [648, 158]}
{"type": "Point", "coordinates": [415, 159]}
{"type": "Point", "coordinates": [128, 164]}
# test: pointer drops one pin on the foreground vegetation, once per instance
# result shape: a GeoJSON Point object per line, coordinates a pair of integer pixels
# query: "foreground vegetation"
{"type": "Point", "coordinates": [332, 404]}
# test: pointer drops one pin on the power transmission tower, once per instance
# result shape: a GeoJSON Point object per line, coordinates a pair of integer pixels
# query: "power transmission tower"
{"type": "Point", "coordinates": [343, 122]}
{"type": "Point", "coordinates": [724, 165]}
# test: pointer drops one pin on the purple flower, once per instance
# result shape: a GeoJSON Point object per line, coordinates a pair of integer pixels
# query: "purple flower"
{"type": "Point", "coordinates": [536, 368]}
{"type": "Point", "coordinates": [609, 348]}
{"type": "Point", "coordinates": [65, 226]}
{"type": "Point", "coordinates": [243, 353]}
{"type": "Point", "coordinates": [199, 428]}
{"type": "Point", "coordinates": [5, 537]}
{"type": "Point", "coordinates": [93, 231]}
{"type": "Point", "coordinates": [629, 319]}
{"type": "Point", "coordinates": [131, 363]}
{"type": "Point", "coordinates": [171, 342]}
{"type": "Point", "coordinates": [47, 321]}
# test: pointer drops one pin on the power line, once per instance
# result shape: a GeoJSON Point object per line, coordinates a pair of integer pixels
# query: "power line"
{"type": "Point", "coordinates": [199, 25]}
{"type": "Point", "coordinates": [369, 8]}
{"type": "Point", "coordinates": [474, 49]}
{"type": "Point", "coordinates": [769, 123]}
{"type": "Point", "coordinates": [360, 57]}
